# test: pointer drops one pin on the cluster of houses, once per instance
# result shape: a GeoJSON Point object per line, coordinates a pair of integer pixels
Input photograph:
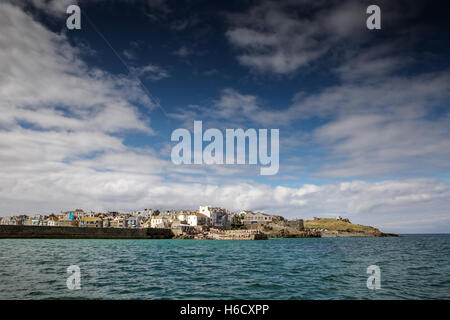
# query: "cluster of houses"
{"type": "Point", "coordinates": [205, 216]}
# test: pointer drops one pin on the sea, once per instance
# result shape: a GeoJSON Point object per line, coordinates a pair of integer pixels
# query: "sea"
{"type": "Point", "coordinates": [406, 267]}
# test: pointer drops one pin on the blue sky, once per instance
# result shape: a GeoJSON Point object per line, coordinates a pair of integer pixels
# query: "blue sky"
{"type": "Point", "coordinates": [363, 114]}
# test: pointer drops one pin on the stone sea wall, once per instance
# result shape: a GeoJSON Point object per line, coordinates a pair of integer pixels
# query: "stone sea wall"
{"type": "Point", "coordinates": [30, 232]}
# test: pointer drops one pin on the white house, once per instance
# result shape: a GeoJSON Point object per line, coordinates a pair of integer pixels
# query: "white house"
{"type": "Point", "coordinates": [197, 219]}
{"type": "Point", "coordinates": [183, 215]}
{"type": "Point", "coordinates": [162, 221]}
{"type": "Point", "coordinates": [206, 210]}
{"type": "Point", "coordinates": [5, 220]}
{"type": "Point", "coordinates": [119, 222]}
{"type": "Point", "coordinates": [52, 221]}
{"type": "Point", "coordinates": [219, 217]}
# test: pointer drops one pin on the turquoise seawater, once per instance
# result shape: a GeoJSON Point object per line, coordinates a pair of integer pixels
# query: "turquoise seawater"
{"type": "Point", "coordinates": [412, 267]}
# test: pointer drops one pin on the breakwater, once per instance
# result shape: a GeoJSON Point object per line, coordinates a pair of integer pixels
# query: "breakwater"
{"type": "Point", "coordinates": [216, 234]}
{"type": "Point", "coordinates": [41, 232]}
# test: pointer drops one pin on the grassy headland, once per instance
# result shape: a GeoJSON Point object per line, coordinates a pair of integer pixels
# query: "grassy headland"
{"type": "Point", "coordinates": [332, 227]}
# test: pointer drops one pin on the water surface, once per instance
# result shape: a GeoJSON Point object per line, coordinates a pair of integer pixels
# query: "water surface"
{"type": "Point", "coordinates": [412, 267]}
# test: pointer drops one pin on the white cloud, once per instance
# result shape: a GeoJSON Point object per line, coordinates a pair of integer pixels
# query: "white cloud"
{"type": "Point", "coordinates": [282, 37]}
{"type": "Point", "coordinates": [151, 72]}
{"type": "Point", "coordinates": [275, 37]}
{"type": "Point", "coordinates": [391, 126]}
{"type": "Point", "coordinates": [53, 7]}
{"type": "Point", "coordinates": [57, 8]}
{"type": "Point", "coordinates": [233, 109]}
{"type": "Point", "coordinates": [183, 51]}
{"type": "Point", "coordinates": [70, 186]}
{"type": "Point", "coordinates": [377, 145]}
{"type": "Point", "coordinates": [55, 110]}
{"type": "Point", "coordinates": [44, 82]}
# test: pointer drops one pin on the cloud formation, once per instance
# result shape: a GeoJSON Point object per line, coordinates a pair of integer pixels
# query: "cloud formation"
{"type": "Point", "coordinates": [63, 125]}
{"type": "Point", "coordinates": [151, 72]}
{"type": "Point", "coordinates": [275, 37]}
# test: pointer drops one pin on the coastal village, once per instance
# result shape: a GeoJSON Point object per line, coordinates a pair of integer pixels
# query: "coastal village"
{"type": "Point", "coordinates": [147, 218]}
{"type": "Point", "coordinates": [205, 223]}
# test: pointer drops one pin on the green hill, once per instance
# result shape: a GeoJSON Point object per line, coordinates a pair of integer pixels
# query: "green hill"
{"type": "Point", "coordinates": [331, 224]}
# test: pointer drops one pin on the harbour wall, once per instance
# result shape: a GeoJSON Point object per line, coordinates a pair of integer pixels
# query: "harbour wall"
{"type": "Point", "coordinates": [36, 232]}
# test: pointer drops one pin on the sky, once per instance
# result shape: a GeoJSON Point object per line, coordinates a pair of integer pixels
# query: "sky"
{"type": "Point", "coordinates": [363, 115]}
